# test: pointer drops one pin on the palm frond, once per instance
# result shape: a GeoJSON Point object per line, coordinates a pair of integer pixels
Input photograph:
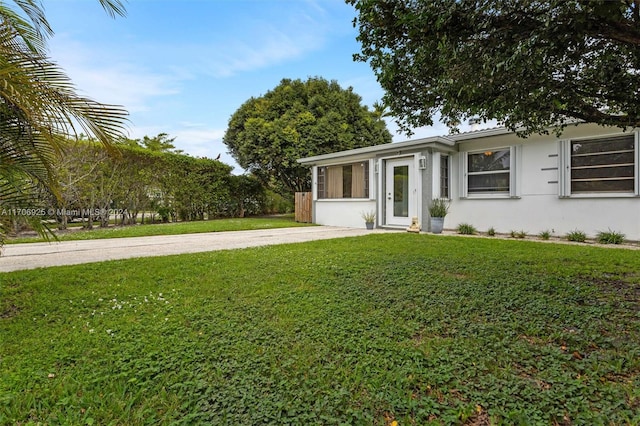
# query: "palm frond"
{"type": "Point", "coordinates": [114, 7]}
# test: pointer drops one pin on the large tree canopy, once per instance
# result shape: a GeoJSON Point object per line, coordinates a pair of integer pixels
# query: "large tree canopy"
{"type": "Point", "coordinates": [529, 64]}
{"type": "Point", "coordinates": [267, 135]}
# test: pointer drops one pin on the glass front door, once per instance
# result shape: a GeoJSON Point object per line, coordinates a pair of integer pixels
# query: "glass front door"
{"type": "Point", "coordinates": [400, 194]}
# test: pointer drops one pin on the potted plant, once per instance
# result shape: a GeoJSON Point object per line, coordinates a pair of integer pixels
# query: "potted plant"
{"type": "Point", "coordinates": [369, 218]}
{"type": "Point", "coordinates": [438, 210]}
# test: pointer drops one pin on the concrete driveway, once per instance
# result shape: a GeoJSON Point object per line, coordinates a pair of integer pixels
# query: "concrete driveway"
{"type": "Point", "coordinates": [36, 255]}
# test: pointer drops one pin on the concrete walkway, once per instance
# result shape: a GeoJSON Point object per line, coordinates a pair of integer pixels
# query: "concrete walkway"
{"type": "Point", "coordinates": [36, 255]}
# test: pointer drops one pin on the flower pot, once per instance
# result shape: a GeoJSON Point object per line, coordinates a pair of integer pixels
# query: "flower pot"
{"type": "Point", "coordinates": [369, 225]}
{"type": "Point", "coordinates": [437, 224]}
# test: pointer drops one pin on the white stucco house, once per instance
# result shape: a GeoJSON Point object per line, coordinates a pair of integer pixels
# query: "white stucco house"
{"type": "Point", "coordinates": [587, 179]}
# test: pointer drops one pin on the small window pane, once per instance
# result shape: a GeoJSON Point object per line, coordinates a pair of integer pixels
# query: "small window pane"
{"type": "Point", "coordinates": [624, 143]}
{"type": "Point", "coordinates": [496, 182]}
{"type": "Point", "coordinates": [625, 185]}
{"type": "Point", "coordinates": [401, 191]}
{"type": "Point", "coordinates": [625, 157]}
{"type": "Point", "coordinates": [489, 161]}
{"type": "Point", "coordinates": [346, 181]}
{"type": "Point", "coordinates": [604, 172]}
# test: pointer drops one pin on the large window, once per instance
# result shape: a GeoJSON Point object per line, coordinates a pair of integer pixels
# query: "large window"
{"type": "Point", "coordinates": [344, 181]}
{"type": "Point", "coordinates": [489, 172]}
{"type": "Point", "coordinates": [603, 165]}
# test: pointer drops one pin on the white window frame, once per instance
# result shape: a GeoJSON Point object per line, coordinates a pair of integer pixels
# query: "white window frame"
{"type": "Point", "coordinates": [515, 153]}
{"type": "Point", "coordinates": [564, 169]}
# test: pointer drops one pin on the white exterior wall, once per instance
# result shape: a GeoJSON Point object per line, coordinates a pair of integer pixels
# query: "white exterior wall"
{"type": "Point", "coordinates": [343, 212]}
{"type": "Point", "coordinates": [538, 206]}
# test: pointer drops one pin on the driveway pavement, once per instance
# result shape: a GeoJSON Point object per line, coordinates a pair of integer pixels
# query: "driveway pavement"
{"type": "Point", "coordinates": [36, 255]}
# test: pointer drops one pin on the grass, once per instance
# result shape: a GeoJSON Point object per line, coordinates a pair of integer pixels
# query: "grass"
{"type": "Point", "coordinates": [387, 327]}
{"type": "Point", "coordinates": [218, 225]}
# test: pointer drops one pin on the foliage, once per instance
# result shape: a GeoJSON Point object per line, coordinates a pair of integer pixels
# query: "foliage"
{"type": "Point", "coordinates": [518, 234]}
{"type": "Point", "coordinates": [369, 216]}
{"type": "Point", "coordinates": [576, 236]}
{"type": "Point", "coordinates": [369, 330]}
{"type": "Point", "coordinates": [544, 235]}
{"type": "Point", "coordinates": [610, 237]}
{"type": "Point", "coordinates": [439, 207]}
{"type": "Point", "coordinates": [38, 109]}
{"type": "Point", "coordinates": [267, 135]}
{"type": "Point", "coordinates": [248, 196]}
{"type": "Point", "coordinates": [491, 232]}
{"type": "Point", "coordinates": [466, 229]}
{"type": "Point", "coordinates": [528, 64]}
{"type": "Point", "coordinates": [278, 203]}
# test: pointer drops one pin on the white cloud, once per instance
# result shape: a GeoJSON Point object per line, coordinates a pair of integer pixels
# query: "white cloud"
{"type": "Point", "coordinates": [111, 80]}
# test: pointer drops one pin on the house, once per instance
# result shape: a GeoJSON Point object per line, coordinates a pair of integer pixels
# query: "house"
{"type": "Point", "coordinates": [587, 179]}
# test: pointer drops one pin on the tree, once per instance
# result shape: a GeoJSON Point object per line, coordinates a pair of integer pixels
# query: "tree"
{"type": "Point", "coordinates": [267, 135]}
{"type": "Point", "coordinates": [39, 109]}
{"type": "Point", "coordinates": [160, 143]}
{"type": "Point", "coordinates": [530, 64]}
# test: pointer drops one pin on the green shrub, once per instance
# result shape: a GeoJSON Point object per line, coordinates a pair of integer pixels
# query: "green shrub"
{"type": "Point", "coordinates": [466, 229]}
{"type": "Point", "coordinates": [577, 236]}
{"type": "Point", "coordinates": [491, 232]}
{"type": "Point", "coordinates": [439, 207]}
{"type": "Point", "coordinates": [610, 237]}
{"type": "Point", "coordinates": [544, 235]}
{"type": "Point", "coordinates": [518, 234]}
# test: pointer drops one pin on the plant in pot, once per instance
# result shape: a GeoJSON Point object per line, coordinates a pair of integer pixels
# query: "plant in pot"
{"type": "Point", "coordinates": [369, 218]}
{"type": "Point", "coordinates": [438, 210]}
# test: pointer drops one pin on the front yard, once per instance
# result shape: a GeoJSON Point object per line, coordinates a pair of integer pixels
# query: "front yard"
{"type": "Point", "coordinates": [413, 329]}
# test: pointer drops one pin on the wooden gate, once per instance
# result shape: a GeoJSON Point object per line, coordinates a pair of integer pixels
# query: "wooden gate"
{"type": "Point", "coordinates": [303, 207]}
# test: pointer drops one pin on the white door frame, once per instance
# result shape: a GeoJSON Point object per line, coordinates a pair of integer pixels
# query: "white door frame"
{"type": "Point", "coordinates": [403, 216]}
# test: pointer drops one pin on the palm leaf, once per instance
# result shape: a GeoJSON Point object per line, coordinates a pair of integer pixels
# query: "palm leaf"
{"type": "Point", "coordinates": [39, 108]}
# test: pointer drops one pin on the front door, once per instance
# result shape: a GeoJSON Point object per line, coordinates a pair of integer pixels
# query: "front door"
{"type": "Point", "coordinates": [400, 192]}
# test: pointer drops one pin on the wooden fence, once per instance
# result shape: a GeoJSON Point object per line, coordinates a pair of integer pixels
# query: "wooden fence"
{"type": "Point", "coordinates": [303, 207]}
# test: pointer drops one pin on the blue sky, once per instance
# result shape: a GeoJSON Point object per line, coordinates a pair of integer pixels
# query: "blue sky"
{"type": "Point", "coordinates": [183, 67]}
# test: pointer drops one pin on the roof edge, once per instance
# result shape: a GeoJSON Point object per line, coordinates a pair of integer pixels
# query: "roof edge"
{"type": "Point", "coordinates": [392, 146]}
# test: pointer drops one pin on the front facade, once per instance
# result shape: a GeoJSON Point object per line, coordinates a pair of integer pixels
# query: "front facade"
{"type": "Point", "coordinates": [587, 179]}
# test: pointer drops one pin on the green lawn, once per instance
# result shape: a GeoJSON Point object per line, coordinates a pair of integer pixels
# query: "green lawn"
{"type": "Point", "coordinates": [218, 225]}
{"type": "Point", "coordinates": [417, 329]}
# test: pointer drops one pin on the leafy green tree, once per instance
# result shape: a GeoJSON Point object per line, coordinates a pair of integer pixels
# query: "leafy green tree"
{"type": "Point", "coordinates": [159, 143]}
{"type": "Point", "coordinates": [530, 64]}
{"type": "Point", "coordinates": [246, 196]}
{"type": "Point", "coordinates": [267, 135]}
{"type": "Point", "coordinates": [192, 188]}
{"type": "Point", "coordinates": [39, 108]}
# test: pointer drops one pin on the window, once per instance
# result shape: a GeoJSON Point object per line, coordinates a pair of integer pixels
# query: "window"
{"type": "Point", "coordinates": [488, 172]}
{"type": "Point", "coordinates": [344, 181]}
{"type": "Point", "coordinates": [603, 165]}
{"type": "Point", "coordinates": [444, 176]}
